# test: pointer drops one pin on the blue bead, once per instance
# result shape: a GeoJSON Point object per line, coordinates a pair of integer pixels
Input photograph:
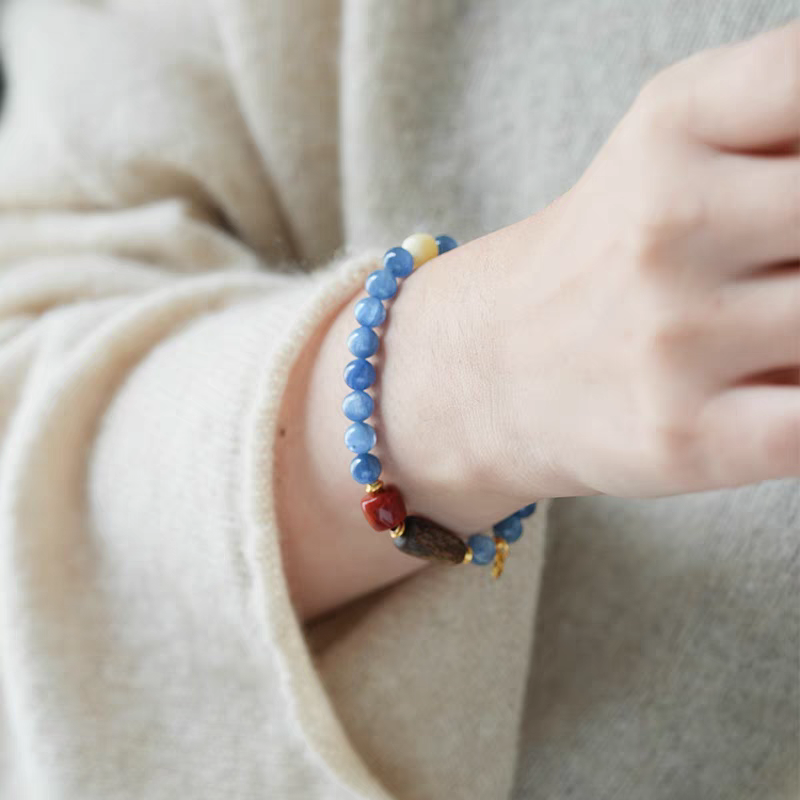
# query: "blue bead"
{"type": "Point", "coordinates": [483, 549]}
{"type": "Point", "coordinates": [363, 342]}
{"type": "Point", "coordinates": [360, 437]}
{"type": "Point", "coordinates": [370, 311]}
{"type": "Point", "coordinates": [509, 528]}
{"type": "Point", "coordinates": [526, 511]}
{"type": "Point", "coordinates": [445, 243]}
{"type": "Point", "coordinates": [381, 284]}
{"type": "Point", "coordinates": [357, 406]}
{"type": "Point", "coordinates": [365, 468]}
{"type": "Point", "coordinates": [399, 262]}
{"type": "Point", "coordinates": [359, 374]}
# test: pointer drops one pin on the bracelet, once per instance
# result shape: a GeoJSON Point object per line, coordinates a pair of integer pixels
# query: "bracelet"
{"type": "Point", "coordinates": [383, 506]}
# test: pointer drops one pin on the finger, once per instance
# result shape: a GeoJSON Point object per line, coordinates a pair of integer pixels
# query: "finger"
{"type": "Point", "coordinates": [753, 327]}
{"type": "Point", "coordinates": [752, 434]}
{"type": "Point", "coordinates": [744, 96]}
{"type": "Point", "coordinates": [755, 205]}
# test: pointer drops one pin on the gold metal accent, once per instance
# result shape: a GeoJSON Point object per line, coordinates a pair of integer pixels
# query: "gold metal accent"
{"type": "Point", "coordinates": [373, 487]}
{"type": "Point", "coordinates": [397, 532]}
{"type": "Point", "coordinates": [502, 550]}
{"type": "Point", "coordinates": [467, 556]}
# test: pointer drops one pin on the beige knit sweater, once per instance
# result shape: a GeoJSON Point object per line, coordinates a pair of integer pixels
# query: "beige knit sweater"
{"type": "Point", "coordinates": [187, 189]}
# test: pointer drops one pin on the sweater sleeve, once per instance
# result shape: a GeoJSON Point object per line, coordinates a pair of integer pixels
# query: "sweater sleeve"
{"type": "Point", "coordinates": [150, 312]}
{"type": "Point", "coordinates": [152, 304]}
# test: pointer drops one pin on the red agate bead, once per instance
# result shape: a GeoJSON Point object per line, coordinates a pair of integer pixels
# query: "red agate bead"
{"type": "Point", "coordinates": [384, 509]}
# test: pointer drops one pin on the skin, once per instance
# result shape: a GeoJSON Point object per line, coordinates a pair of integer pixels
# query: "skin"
{"type": "Point", "coordinates": [639, 337]}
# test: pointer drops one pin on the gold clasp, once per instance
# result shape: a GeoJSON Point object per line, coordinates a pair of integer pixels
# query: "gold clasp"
{"type": "Point", "coordinates": [501, 554]}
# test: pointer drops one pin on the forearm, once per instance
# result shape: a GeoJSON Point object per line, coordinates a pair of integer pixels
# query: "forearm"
{"type": "Point", "coordinates": [330, 553]}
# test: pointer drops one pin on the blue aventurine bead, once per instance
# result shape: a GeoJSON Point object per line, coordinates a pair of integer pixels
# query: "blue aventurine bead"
{"type": "Point", "coordinates": [365, 468]}
{"type": "Point", "coordinates": [483, 549]}
{"type": "Point", "coordinates": [526, 511]}
{"type": "Point", "coordinates": [360, 437]}
{"type": "Point", "coordinates": [359, 374]}
{"type": "Point", "coordinates": [370, 311]}
{"type": "Point", "coordinates": [357, 406]}
{"type": "Point", "coordinates": [445, 243]}
{"type": "Point", "coordinates": [381, 284]}
{"type": "Point", "coordinates": [509, 528]}
{"type": "Point", "coordinates": [399, 262]}
{"type": "Point", "coordinates": [363, 342]}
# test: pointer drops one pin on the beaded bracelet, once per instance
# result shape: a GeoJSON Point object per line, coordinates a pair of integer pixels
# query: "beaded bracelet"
{"type": "Point", "coordinates": [383, 506]}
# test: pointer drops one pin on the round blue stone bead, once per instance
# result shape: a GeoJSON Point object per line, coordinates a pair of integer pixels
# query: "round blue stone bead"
{"type": "Point", "coordinates": [365, 468]}
{"type": "Point", "coordinates": [363, 342]}
{"type": "Point", "coordinates": [360, 437]}
{"type": "Point", "coordinates": [399, 262]}
{"type": "Point", "coordinates": [483, 549]}
{"type": "Point", "coordinates": [357, 406]}
{"type": "Point", "coordinates": [359, 374]}
{"type": "Point", "coordinates": [381, 284]}
{"type": "Point", "coordinates": [509, 528]}
{"type": "Point", "coordinates": [526, 511]}
{"type": "Point", "coordinates": [370, 311]}
{"type": "Point", "coordinates": [445, 243]}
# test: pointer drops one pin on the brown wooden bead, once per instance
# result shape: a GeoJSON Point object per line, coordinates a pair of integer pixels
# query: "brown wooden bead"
{"type": "Point", "coordinates": [425, 539]}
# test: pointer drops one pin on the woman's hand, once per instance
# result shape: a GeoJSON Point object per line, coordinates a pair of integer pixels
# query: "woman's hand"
{"type": "Point", "coordinates": [651, 321]}
{"type": "Point", "coordinates": [636, 338]}
{"type": "Point", "coordinates": [639, 337]}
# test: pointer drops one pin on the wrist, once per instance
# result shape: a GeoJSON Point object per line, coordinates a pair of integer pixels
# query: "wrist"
{"type": "Point", "coordinates": [441, 418]}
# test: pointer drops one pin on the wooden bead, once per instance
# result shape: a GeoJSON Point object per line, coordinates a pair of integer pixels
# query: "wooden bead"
{"type": "Point", "coordinates": [425, 539]}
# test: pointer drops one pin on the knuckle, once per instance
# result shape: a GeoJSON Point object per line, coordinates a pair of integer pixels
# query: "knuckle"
{"type": "Point", "coordinates": [674, 448]}
{"type": "Point", "coordinates": [672, 342]}
{"type": "Point", "coordinates": [791, 209]}
{"type": "Point", "coordinates": [665, 216]}
{"type": "Point", "coordinates": [654, 106]}
{"type": "Point", "coordinates": [650, 97]}
{"type": "Point", "coordinates": [784, 65]}
{"type": "Point", "coordinates": [668, 102]}
{"type": "Point", "coordinates": [793, 33]}
{"type": "Point", "coordinates": [781, 444]}
{"type": "Point", "coordinates": [670, 426]}
{"type": "Point", "coordinates": [775, 55]}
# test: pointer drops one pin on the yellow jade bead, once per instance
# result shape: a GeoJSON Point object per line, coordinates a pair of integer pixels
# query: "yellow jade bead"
{"type": "Point", "coordinates": [422, 247]}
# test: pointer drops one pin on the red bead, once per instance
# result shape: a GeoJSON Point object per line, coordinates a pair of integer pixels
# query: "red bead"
{"type": "Point", "coordinates": [384, 509]}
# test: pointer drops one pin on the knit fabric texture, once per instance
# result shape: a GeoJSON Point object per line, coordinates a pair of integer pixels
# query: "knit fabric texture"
{"type": "Point", "coordinates": [187, 191]}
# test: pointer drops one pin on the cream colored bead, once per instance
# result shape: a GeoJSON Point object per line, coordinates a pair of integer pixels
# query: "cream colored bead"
{"type": "Point", "coordinates": [422, 247]}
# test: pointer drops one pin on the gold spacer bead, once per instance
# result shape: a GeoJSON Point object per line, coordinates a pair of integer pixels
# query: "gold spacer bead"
{"type": "Point", "coordinates": [397, 532]}
{"type": "Point", "coordinates": [373, 487]}
{"type": "Point", "coordinates": [467, 556]}
{"type": "Point", "coordinates": [502, 546]}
